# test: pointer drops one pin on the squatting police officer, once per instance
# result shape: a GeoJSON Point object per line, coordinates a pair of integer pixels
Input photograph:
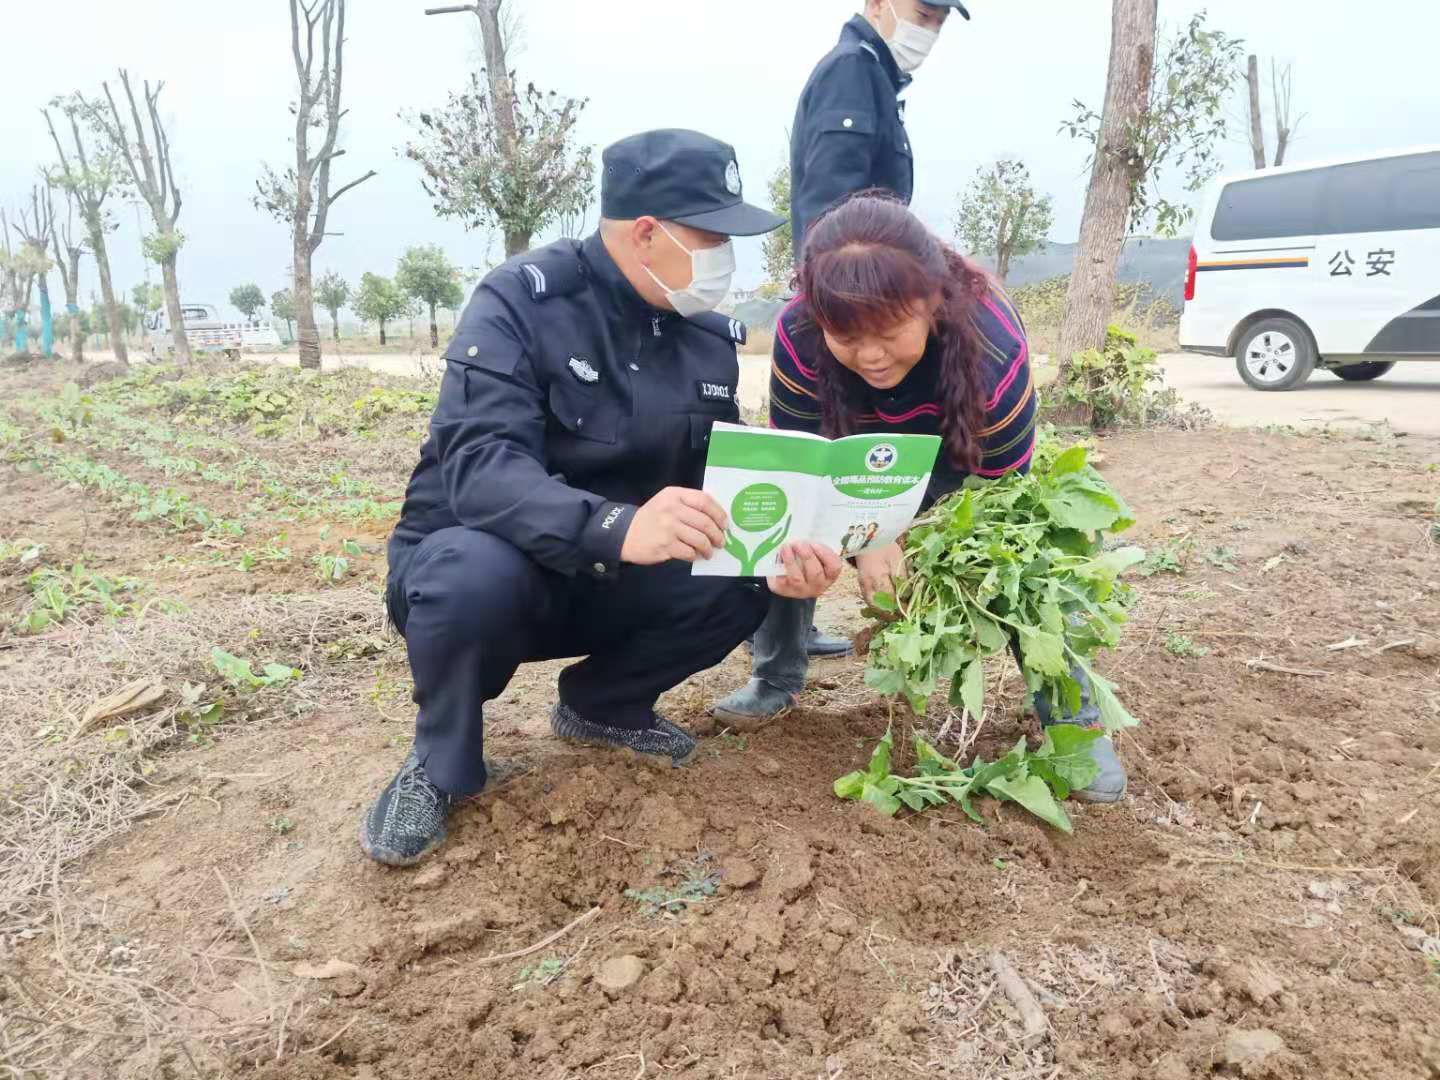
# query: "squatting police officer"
{"type": "Point", "coordinates": [556, 507]}
{"type": "Point", "coordinates": [848, 135]}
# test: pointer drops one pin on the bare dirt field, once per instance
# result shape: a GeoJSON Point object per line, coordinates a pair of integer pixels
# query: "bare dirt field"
{"type": "Point", "coordinates": [182, 894]}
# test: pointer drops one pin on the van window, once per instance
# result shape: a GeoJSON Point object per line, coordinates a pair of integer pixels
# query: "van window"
{"type": "Point", "coordinates": [199, 314]}
{"type": "Point", "coordinates": [1384, 195]}
{"type": "Point", "coordinates": [1270, 206]}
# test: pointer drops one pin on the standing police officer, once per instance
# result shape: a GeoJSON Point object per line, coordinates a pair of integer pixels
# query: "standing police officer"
{"type": "Point", "coordinates": [849, 130]}
{"type": "Point", "coordinates": [555, 507]}
{"type": "Point", "coordinates": [849, 135]}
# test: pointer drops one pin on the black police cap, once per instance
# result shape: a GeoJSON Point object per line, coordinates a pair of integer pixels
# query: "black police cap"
{"type": "Point", "coordinates": [680, 176]}
{"type": "Point", "coordinates": [948, 3]}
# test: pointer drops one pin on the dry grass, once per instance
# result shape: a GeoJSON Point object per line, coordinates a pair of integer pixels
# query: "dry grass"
{"type": "Point", "coordinates": [67, 795]}
{"type": "Point", "coordinates": [70, 983]}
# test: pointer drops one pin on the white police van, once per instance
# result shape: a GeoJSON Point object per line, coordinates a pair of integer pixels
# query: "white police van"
{"type": "Point", "coordinates": [1334, 265]}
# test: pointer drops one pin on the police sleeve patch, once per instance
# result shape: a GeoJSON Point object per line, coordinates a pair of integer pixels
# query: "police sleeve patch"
{"type": "Point", "coordinates": [720, 325]}
{"type": "Point", "coordinates": [548, 273]}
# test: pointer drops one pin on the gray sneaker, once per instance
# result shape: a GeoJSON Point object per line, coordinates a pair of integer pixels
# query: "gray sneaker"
{"type": "Point", "coordinates": [663, 740]}
{"type": "Point", "coordinates": [407, 821]}
{"type": "Point", "coordinates": [756, 700]}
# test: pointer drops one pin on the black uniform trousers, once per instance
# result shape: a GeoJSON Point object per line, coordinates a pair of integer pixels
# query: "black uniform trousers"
{"type": "Point", "coordinates": [473, 607]}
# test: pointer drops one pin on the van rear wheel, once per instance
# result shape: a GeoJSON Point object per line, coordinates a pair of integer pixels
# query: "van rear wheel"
{"type": "Point", "coordinates": [1275, 354]}
{"type": "Point", "coordinates": [1364, 372]}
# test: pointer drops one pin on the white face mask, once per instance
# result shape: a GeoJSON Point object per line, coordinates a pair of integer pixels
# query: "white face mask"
{"type": "Point", "coordinates": [911, 42]}
{"type": "Point", "coordinates": [710, 272]}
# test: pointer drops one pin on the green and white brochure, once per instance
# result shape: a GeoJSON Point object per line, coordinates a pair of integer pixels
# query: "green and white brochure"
{"type": "Point", "coordinates": [852, 494]}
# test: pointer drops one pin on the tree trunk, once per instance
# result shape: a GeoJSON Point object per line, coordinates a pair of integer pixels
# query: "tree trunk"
{"type": "Point", "coordinates": [497, 71]}
{"type": "Point", "coordinates": [1091, 295]}
{"type": "Point", "coordinates": [434, 329]}
{"type": "Point", "coordinates": [72, 308]}
{"type": "Point", "coordinates": [1257, 128]}
{"type": "Point", "coordinates": [178, 338]}
{"type": "Point", "coordinates": [107, 293]}
{"type": "Point", "coordinates": [335, 323]}
{"type": "Point", "coordinates": [382, 332]}
{"type": "Point", "coordinates": [47, 323]}
{"type": "Point", "coordinates": [308, 334]}
{"type": "Point", "coordinates": [517, 242]}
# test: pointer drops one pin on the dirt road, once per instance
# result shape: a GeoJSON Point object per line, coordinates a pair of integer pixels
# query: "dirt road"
{"type": "Point", "coordinates": [1407, 397]}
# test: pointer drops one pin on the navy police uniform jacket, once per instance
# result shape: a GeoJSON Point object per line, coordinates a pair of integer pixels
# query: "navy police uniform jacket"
{"type": "Point", "coordinates": [567, 402]}
{"type": "Point", "coordinates": [849, 130]}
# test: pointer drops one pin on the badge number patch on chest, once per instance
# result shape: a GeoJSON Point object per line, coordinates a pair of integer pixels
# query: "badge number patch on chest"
{"type": "Point", "coordinates": [711, 391]}
{"type": "Point", "coordinates": [583, 370]}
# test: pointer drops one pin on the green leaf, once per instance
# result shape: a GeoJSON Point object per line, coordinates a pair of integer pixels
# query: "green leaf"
{"type": "Point", "coordinates": [883, 680]}
{"type": "Point", "coordinates": [278, 673]}
{"type": "Point", "coordinates": [1113, 563]}
{"type": "Point", "coordinates": [234, 670]}
{"type": "Point", "coordinates": [1043, 652]}
{"type": "Point", "coordinates": [1113, 714]}
{"type": "Point", "coordinates": [1076, 508]}
{"type": "Point", "coordinates": [991, 635]}
{"type": "Point", "coordinates": [912, 798]}
{"type": "Point", "coordinates": [1064, 760]}
{"type": "Point", "coordinates": [1072, 460]}
{"type": "Point", "coordinates": [879, 767]}
{"type": "Point", "coordinates": [881, 800]}
{"type": "Point", "coordinates": [1034, 795]}
{"type": "Point", "coordinates": [850, 785]}
{"type": "Point", "coordinates": [931, 761]}
{"type": "Point", "coordinates": [883, 601]}
{"type": "Point", "coordinates": [972, 689]}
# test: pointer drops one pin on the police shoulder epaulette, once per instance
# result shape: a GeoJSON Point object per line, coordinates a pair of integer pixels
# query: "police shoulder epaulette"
{"type": "Point", "coordinates": [720, 325]}
{"type": "Point", "coordinates": [548, 274]}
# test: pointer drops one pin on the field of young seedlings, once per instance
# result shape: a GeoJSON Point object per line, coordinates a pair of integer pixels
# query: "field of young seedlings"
{"type": "Point", "coordinates": [199, 696]}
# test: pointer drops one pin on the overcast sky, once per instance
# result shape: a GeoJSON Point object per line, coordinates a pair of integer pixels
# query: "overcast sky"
{"type": "Point", "coordinates": [1365, 77]}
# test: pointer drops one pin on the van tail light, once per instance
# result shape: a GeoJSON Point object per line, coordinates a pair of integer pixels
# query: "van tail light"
{"type": "Point", "coordinates": [1190, 275]}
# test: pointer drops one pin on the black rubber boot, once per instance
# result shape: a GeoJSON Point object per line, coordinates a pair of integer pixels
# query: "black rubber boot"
{"type": "Point", "coordinates": [756, 700]}
{"type": "Point", "coordinates": [825, 646]}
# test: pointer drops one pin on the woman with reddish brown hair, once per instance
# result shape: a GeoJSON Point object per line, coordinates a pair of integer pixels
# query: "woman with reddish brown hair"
{"type": "Point", "coordinates": [894, 332]}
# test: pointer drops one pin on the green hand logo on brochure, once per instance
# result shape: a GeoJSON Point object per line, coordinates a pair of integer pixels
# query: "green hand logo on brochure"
{"type": "Point", "coordinates": [755, 509]}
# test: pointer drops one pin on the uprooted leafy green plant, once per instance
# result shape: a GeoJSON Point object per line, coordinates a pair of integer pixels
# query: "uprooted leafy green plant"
{"type": "Point", "coordinates": [1018, 563]}
{"type": "Point", "coordinates": [1018, 559]}
{"type": "Point", "coordinates": [1036, 779]}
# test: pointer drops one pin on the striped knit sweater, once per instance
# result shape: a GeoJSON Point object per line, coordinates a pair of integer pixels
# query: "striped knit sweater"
{"type": "Point", "coordinates": [913, 407]}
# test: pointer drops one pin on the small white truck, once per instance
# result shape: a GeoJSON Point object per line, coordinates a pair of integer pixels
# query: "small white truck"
{"type": "Point", "coordinates": [207, 332]}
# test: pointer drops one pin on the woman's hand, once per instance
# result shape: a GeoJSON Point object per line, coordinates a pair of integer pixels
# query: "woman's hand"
{"type": "Point", "coordinates": [878, 570]}
{"type": "Point", "coordinates": [810, 569]}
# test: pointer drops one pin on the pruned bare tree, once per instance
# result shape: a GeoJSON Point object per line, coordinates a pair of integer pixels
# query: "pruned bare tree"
{"type": "Point", "coordinates": [301, 198]}
{"type": "Point", "coordinates": [68, 252]}
{"type": "Point", "coordinates": [89, 184]}
{"type": "Point", "coordinates": [151, 168]}
{"type": "Point", "coordinates": [1282, 86]}
{"type": "Point", "coordinates": [1257, 126]}
{"type": "Point", "coordinates": [495, 156]}
{"type": "Point", "coordinates": [35, 229]}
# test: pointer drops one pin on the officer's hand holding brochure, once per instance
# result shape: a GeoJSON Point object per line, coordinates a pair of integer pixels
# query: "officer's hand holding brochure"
{"type": "Point", "coordinates": [853, 494]}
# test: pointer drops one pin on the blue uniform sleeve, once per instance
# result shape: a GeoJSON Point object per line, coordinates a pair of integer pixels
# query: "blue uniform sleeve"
{"type": "Point", "coordinates": [489, 434]}
{"type": "Point", "coordinates": [837, 143]}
